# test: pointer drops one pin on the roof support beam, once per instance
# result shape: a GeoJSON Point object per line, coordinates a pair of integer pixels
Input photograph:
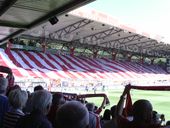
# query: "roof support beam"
{"type": "Point", "coordinates": [123, 40]}
{"type": "Point", "coordinates": [160, 53]}
{"type": "Point", "coordinates": [95, 38]}
{"type": "Point", "coordinates": [137, 37]}
{"type": "Point", "coordinates": [11, 24]}
{"type": "Point", "coordinates": [163, 49]}
{"type": "Point", "coordinates": [151, 46]}
{"type": "Point", "coordinates": [69, 29]}
{"type": "Point", "coordinates": [157, 46]}
{"type": "Point", "coordinates": [39, 38]}
{"type": "Point", "coordinates": [143, 43]}
{"type": "Point", "coordinates": [166, 48]}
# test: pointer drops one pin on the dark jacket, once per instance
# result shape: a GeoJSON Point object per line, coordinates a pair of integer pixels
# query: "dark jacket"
{"type": "Point", "coordinates": [34, 120]}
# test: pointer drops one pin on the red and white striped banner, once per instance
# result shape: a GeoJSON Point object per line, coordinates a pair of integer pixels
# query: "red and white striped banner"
{"type": "Point", "coordinates": [53, 66]}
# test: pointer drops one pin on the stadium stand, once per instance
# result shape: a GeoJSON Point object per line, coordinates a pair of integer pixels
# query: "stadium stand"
{"type": "Point", "coordinates": [54, 66]}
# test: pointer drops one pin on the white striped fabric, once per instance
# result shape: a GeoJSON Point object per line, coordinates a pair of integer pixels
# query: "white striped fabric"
{"type": "Point", "coordinates": [53, 66]}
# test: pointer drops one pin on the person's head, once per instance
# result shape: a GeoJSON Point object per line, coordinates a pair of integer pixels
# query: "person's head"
{"type": "Point", "coordinates": [168, 123]}
{"type": "Point", "coordinates": [38, 87]}
{"type": "Point", "coordinates": [72, 114]}
{"type": "Point", "coordinates": [3, 85]}
{"type": "Point", "coordinates": [106, 115]}
{"type": "Point", "coordinates": [58, 99]}
{"type": "Point", "coordinates": [113, 110]}
{"type": "Point", "coordinates": [155, 118]}
{"type": "Point", "coordinates": [90, 106]}
{"type": "Point", "coordinates": [142, 111]}
{"type": "Point", "coordinates": [10, 88]}
{"type": "Point", "coordinates": [18, 98]}
{"type": "Point", "coordinates": [41, 101]}
{"type": "Point", "coordinates": [95, 108]}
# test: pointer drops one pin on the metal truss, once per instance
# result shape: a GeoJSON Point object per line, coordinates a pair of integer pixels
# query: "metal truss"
{"type": "Point", "coordinates": [163, 49]}
{"type": "Point", "coordinates": [95, 38]}
{"type": "Point", "coordinates": [133, 38]}
{"type": "Point", "coordinates": [122, 43]}
{"type": "Point", "coordinates": [134, 48]}
{"type": "Point", "coordinates": [140, 50]}
{"type": "Point", "coordinates": [124, 40]}
{"type": "Point", "coordinates": [145, 50]}
{"type": "Point", "coordinates": [159, 53]}
{"type": "Point", "coordinates": [159, 49]}
{"type": "Point", "coordinates": [142, 43]}
{"type": "Point", "coordinates": [153, 46]}
{"type": "Point", "coordinates": [69, 29]}
{"type": "Point", "coordinates": [166, 49]}
{"type": "Point", "coordinates": [38, 39]}
{"type": "Point", "coordinates": [121, 49]}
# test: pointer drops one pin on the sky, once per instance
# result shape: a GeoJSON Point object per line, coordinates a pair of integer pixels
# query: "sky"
{"type": "Point", "coordinates": [151, 16]}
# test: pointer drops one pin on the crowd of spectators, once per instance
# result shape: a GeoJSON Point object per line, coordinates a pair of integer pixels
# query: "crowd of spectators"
{"type": "Point", "coordinates": [43, 109]}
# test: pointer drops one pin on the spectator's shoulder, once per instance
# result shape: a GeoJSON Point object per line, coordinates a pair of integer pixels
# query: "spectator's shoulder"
{"type": "Point", "coordinates": [46, 124]}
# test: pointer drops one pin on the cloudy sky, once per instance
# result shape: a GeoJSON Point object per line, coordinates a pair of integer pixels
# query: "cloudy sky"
{"type": "Point", "coordinates": [152, 16]}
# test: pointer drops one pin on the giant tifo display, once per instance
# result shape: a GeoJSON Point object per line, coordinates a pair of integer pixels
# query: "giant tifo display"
{"type": "Point", "coordinates": [42, 67]}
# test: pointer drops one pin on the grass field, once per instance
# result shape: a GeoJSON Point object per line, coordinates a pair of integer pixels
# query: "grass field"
{"type": "Point", "coordinates": [159, 99]}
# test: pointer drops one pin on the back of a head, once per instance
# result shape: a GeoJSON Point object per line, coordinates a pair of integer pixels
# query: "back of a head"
{"type": "Point", "coordinates": [9, 89]}
{"type": "Point", "coordinates": [41, 101]}
{"type": "Point", "coordinates": [107, 114]}
{"type": "Point", "coordinates": [18, 98]}
{"type": "Point", "coordinates": [38, 87]}
{"type": "Point", "coordinates": [58, 98]}
{"type": "Point", "coordinates": [113, 111]}
{"type": "Point", "coordinates": [72, 114]}
{"type": "Point", "coordinates": [168, 122]}
{"type": "Point", "coordinates": [142, 110]}
{"type": "Point", "coordinates": [90, 106]}
{"type": "Point", "coordinates": [3, 84]}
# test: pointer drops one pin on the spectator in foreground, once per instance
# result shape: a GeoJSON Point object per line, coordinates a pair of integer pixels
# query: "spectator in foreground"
{"type": "Point", "coordinates": [4, 104]}
{"type": "Point", "coordinates": [9, 89]}
{"type": "Point", "coordinates": [57, 101]}
{"type": "Point", "coordinates": [168, 123]}
{"type": "Point", "coordinates": [113, 122]}
{"type": "Point", "coordinates": [72, 114]}
{"type": "Point", "coordinates": [94, 119]}
{"type": "Point", "coordinates": [17, 99]}
{"type": "Point", "coordinates": [28, 107]}
{"type": "Point", "coordinates": [41, 102]}
{"type": "Point", "coordinates": [106, 115]}
{"type": "Point", "coordinates": [38, 87]}
{"type": "Point", "coordinates": [142, 113]}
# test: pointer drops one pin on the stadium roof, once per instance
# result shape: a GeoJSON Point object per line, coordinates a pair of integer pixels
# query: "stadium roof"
{"type": "Point", "coordinates": [95, 30]}
{"type": "Point", "coordinates": [79, 28]}
{"type": "Point", "coordinates": [16, 16]}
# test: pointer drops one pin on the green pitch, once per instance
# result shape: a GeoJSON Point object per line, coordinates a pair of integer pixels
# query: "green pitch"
{"type": "Point", "coordinates": [159, 99]}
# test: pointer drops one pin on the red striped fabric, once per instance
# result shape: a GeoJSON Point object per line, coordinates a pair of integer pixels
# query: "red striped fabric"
{"type": "Point", "coordinates": [127, 69]}
{"type": "Point", "coordinates": [53, 66]}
